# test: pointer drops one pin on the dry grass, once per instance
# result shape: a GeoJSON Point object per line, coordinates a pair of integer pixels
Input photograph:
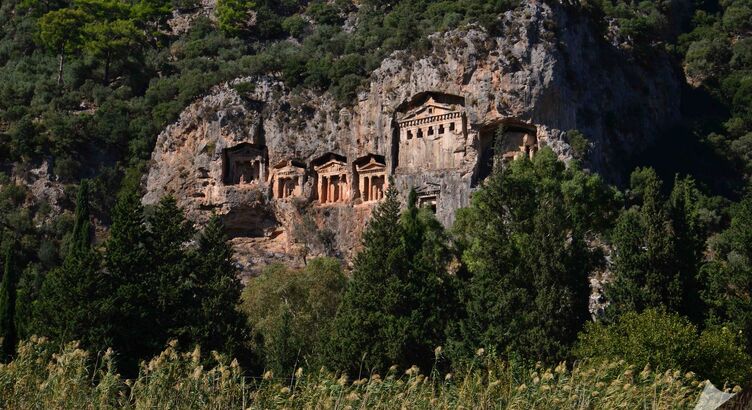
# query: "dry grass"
{"type": "Point", "coordinates": [40, 378]}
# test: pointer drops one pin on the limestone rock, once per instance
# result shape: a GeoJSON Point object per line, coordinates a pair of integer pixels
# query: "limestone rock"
{"type": "Point", "coordinates": [432, 118]}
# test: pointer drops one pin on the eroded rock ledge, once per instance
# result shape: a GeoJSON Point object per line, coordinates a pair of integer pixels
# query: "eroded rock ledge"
{"type": "Point", "coordinates": [278, 165]}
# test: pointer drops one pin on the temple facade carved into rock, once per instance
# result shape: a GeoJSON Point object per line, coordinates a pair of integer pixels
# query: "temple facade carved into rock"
{"type": "Point", "coordinates": [244, 164]}
{"type": "Point", "coordinates": [287, 179]}
{"type": "Point", "coordinates": [429, 153]}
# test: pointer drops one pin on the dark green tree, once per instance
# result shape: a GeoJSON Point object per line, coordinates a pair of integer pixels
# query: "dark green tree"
{"type": "Point", "coordinates": [214, 291]}
{"type": "Point", "coordinates": [168, 275]}
{"type": "Point", "coordinates": [130, 265]}
{"type": "Point", "coordinates": [369, 331]}
{"type": "Point", "coordinates": [430, 292]}
{"type": "Point", "coordinates": [688, 233]}
{"type": "Point", "coordinates": [81, 238]}
{"type": "Point", "coordinates": [76, 299]}
{"type": "Point", "coordinates": [8, 333]}
{"type": "Point", "coordinates": [525, 239]}
{"type": "Point", "coordinates": [393, 309]}
{"type": "Point", "coordinates": [110, 41]}
{"type": "Point", "coordinates": [729, 273]}
{"type": "Point", "coordinates": [658, 249]}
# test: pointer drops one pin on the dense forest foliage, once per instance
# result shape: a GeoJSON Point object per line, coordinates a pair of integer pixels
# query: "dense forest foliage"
{"type": "Point", "coordinates": [88, 84]}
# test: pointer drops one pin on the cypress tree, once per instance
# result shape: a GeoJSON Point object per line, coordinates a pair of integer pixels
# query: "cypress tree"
{"type": "Point", "coordinates": [75, 299]}
{"type": "Point", "coordinates": [658, 250]}
{"type": "Point", "coordinates": [524, 239]}
{"type": "Point", "coordinates": [167, 278]}
{"type": "Point", "coordinates": [129, 266]}
{"type": "Point", "coordinates": [429, 292]}
{"type": "Point", "coordinates": [8, 302]}
{"type": "Point", "coordinates": [395, 309]}
{"type": "Point", "coordinates": [81, 238]}
{"type": "Point", "coordinates": [369, 329]}
{"type": "Point", "coordinates": [688, 233]}
{"type": "Point", "coordinates": [215, 290]}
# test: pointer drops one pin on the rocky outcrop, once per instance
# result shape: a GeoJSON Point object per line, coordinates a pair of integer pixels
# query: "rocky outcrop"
{"type": "Point", "coordinates": [546, 73]}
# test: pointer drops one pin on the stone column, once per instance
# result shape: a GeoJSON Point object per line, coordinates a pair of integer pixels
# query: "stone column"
{"type": "Point", "coordinates": [345, 188]}
{"type": "Point", "coordinates": [336, 194]}
{"type": "Point", "coordinates": [367, 188]}
{"type": "Point", "coordinates": [328, 188]}
{"type": "Point", "coordinates": [323, 189]}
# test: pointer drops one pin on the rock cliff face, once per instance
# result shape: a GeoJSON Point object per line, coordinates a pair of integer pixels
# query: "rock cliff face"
{"type": "Point", "coordinates": [294, 174]}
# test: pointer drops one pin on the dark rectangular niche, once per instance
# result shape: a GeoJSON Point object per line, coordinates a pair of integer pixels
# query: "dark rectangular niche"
{"type": "Point", "coordinates": [244, 163]}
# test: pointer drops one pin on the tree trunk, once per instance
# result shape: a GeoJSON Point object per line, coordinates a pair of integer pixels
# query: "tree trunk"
{"type": "Point", "coordinates": [61, 58]}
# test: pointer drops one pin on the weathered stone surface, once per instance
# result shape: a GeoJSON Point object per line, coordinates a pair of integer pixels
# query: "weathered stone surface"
{"type": "Point", "coordinates": [546, 73]}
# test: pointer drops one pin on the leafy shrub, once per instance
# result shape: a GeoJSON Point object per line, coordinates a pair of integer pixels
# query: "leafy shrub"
{"type": "Point", "coordinates": [580, 145]}
{"type": "Point", "coordinates": [666, 341]}
{"type": "Point", "coordinates": [290, 311]}
{"type": "Point", "coordinates": [295, 25]}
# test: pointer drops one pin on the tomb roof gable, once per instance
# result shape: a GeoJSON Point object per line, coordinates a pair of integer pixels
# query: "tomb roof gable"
{"type": "Point", "coordinates": [429, 110]}
{"type": "Point", "coordinates": [428, 188]}
{"type": "Point", "coordinates": [331, 166]}
{"type": "Point", "coordinates": [246, 148]}
{"type": "Point", "coordinates": [372, 166]}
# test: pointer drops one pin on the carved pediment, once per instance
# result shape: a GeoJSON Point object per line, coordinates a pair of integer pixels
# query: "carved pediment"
{"type": "Point", "coordinates": [332, 167]}
{"type": "Point", "coordinates": [372, 167]}
{"type": "Point", "coordinates": [431, 109]}
{"type": "Point", "coordinates": [289, 163]}
{"type": "Point", "coordinates": [288, 168]}
{"type": "Point", "coordinates": [428, 189]}
{"type": "Point", "coordinates": [428, 111]}
{"type": "Point", "coordinates": [289, 171]}
{"type": "Point", "coordinates": [370, 163]}
{"type": "Point", "coordinates": [245, 150]}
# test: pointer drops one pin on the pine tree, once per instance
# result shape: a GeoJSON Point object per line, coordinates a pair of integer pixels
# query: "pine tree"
{"type": "Point", "coordinates": [398, 302]}
{"type": "Point", "coordinates": [8, 335]}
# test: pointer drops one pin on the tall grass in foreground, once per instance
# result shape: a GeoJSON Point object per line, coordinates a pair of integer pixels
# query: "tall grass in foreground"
{"type": "Point", "coordinates": [41, 378]}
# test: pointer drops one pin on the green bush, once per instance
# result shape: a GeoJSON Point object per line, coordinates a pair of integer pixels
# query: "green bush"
{"type": "Point", "coordinates": [579, 143]}
{"type": "Point", "coordinates": [667, 341]}
{"type": "Point", "coordinates": [295, 25]}
{"type": "Point", "coordinates": [290, 311]}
